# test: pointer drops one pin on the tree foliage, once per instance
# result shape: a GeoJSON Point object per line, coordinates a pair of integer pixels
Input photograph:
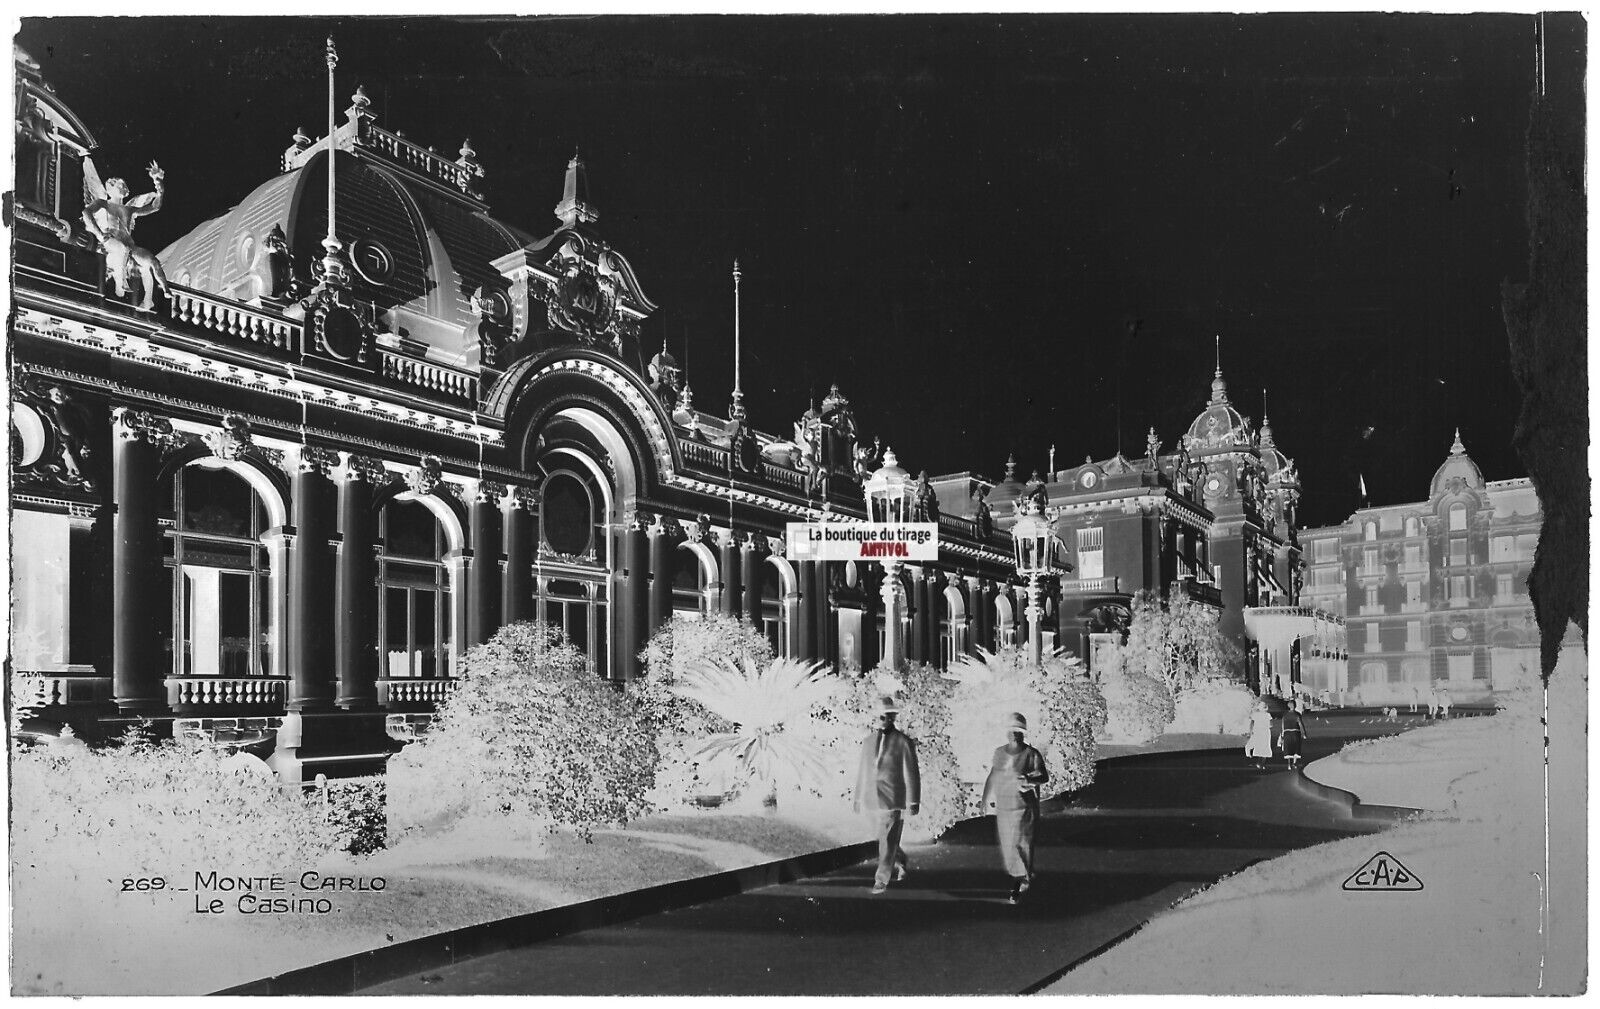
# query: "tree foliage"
{"type": "Point", "coordinates": [531, 739]}
{"type": "Point", "coordinates": [1139, 705]}
{"type": "Point", "coordinates": [1176, 640]}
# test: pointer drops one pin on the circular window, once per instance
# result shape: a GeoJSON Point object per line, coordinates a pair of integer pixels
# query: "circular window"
{"type": "Point", "coordinates": [1458, 633]}
{"type": "Point", "coordinates": [568, 515]}
{"type": "Point", "coordinates": [246, 251]}
{"type": "Point", "coordinates": [372, 261]}
{"type": "Point", "coordinates": [1089, 479]}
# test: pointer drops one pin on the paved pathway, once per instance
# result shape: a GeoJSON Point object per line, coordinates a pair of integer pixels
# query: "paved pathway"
{"type": "Point", "coordinates": [1152, 829]}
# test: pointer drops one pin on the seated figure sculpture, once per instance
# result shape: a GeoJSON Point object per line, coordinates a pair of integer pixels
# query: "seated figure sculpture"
{"type": "Point", "coordinates": [110, 216]}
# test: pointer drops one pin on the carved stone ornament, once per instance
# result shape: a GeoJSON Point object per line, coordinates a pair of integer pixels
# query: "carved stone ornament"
{"type": "Point", "coordinates": [700, 531]}
{"type": "Point", "coordinates": [635, 522]}
{"type": "Point", "coordinates": [50, 435]}
{"type": "Point", "coordinates": [368, 469]}
{"type": "Point", "coordinates": [232, 441]}
{"type": "Point", "coordinates": [318, 460]}
{"type": "Point", "coordinates": [110, 215]}
{"type": "Point", "coordinates": [137, 425]}
{"type": "Point", "coordinates": [427, 477]}
{"type": "Point", "coordinates": [526, 498]}
{"type": "Point", "coordinates": [489, 492]}
{"type": "Point", "coordinates": [776, 546]}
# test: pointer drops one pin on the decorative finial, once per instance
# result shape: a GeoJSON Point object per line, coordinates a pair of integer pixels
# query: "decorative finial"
{"type": "Point", "coordinates": [301, 140]}
{"type": "Point", "coordinates": [574, 208]}
{"type": "Point", "coordinates": [889, 459]}
{"type": "Point", "coordinates": [1011, 466]}
{"type": "Point", "coordinates": [359, 103]}
{"type": "Point", "coordinates": [1219, 355]}
{"type": "Point", "coordinates": [1152, 444]}
{"type": "Point", "coordinates": [1458, 448]}
{"type": "Point", "coordinates": [334, 273]}
{"type": "Point", "coordinates": [736, 411]}
{"type": "Point", "coordinates": [332, 54]}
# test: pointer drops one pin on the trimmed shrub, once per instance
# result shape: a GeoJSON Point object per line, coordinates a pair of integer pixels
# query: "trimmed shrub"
{"type": "Point", "coordinates": [358, 811]}
{"type": "Point", "coordinates": [681, 724]}
{"type": "Point", "coordinates": [1064, 709]}
{"type": "Point", "coordinates": [924, 698]}
{"type": "Point", "coordinates": [530, 741]}
{"type": "Point", "coordinates": [140, 808]}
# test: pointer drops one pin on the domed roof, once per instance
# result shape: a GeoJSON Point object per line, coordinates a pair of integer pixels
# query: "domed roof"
{"type": "Point", "coordinates": [1458, 472]}
{"type": "Point", "coordinates": [418, 249]}
{"type": "Point", "coordinates": [1219, 425]}
{"type": "Point", "coordinates": [1278, 467]}
{"type": "Point", "coordinates": [1007, 491]}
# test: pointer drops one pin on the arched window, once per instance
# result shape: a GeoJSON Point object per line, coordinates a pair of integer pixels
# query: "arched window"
{"type": "Point", "coordinates": [217, 574]}
{"type": "Point", "coordinates": [1458, 517]}
{"type": "Point", "coordinates": [1412, 526]}
{"type": "Point", "coordinates": [414, 620]}
{"type": "Point", "coordinates": [1369, 531]}
{"type": "Point", "coordinates": [1005, 625]}
{"type": "Point", "coordinates": [574, 547]}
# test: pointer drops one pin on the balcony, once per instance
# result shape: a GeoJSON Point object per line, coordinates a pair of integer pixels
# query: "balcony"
{"type": "Point", "coordinates": [412, 690]}
{"type": "Point", "coordinates": [1085, 586]}
{"type": "Point", "coordinates": [41, 690]}
{"type": "Point", "coordinates": [435, 379]}
{"type": "Point", "coordinates": [217, 692]}
{"type": "Point", "coordinates": [238, 322]}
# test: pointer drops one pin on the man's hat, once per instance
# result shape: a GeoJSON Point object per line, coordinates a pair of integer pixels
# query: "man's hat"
{"type": "Point", "coordinates": [887, 705]}
{"type": "Point", "coordinates": [1016, 721]}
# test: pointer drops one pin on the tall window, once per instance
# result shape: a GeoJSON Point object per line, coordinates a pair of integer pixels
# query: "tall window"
{"type": "Point", "coordinates": [1412, 526]}
{"type": "Point", "coordinates": [1413, 555]}
{"type": "Point", "coordinates": [1460, 667]}
{"type": "Point", "coordinates": [1091, 553]}
{"type": "Point", "coordinates": [574, 539]}
{"type": "Point", "coordinates": [1458, 517]}
{"type": "Point", "coordinates": [414, 622]}
{"type": "Point", "coordinates": [1373, 644]}
{"type": "Point", "coordinates": [1458, 552]}
{"type": "Point", "coordinates": [1458, 591]}
{"type": "Point", "coordinates": [1414, 593]}
{"type": "Point", "coordinates": [1503, 548]}
{"type": "Point", "coordinates": [1369, 531]}
{"type": "Point", "coordinates": [1325, 550]}
{"type": "Point", "coordinates": [217, 575]}
{"type": "Point", "coordinates": [1413, 635]}
{"type": "Point", "coordinates": [1369, 559]}
{"type": "Point", "coordinates": [1502, 588]}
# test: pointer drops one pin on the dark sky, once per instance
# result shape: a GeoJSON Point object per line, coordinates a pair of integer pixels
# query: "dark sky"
{"type": "Point", "coordinates": [994, 232]}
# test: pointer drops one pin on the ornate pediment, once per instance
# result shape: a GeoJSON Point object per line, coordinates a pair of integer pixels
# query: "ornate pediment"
{"type": "Point", "coordinates": [590, 292]}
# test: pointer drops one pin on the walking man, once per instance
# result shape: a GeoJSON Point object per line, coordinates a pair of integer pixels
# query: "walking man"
{"type": "Point", "coordinates": [888, 786]}
{"type": "Point", "coordinates": [1012, 792]}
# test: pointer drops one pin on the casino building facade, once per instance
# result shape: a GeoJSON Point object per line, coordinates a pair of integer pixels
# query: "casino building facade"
{"type": "Point", "coordinates": [331, 459]}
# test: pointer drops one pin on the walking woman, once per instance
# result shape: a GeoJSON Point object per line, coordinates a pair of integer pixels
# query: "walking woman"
{"type": "Point", "coordinates": [1293, 734]}
{"type": "Point", "coordinates": [1258, 747]}
{"type": "Point", "coordinates": [1012, 793]}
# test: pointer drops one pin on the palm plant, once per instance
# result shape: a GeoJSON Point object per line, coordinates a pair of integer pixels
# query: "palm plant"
{"type": "Point", "coordinates": [770, 707]}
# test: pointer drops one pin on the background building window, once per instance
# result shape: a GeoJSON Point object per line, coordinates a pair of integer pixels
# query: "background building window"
{"type": "Point", "coordinates": [1458, 594]}
{"type": "Point", "coordinates": [1413, 527]}
{"type": "Point", "coordinates": [1372, 642]}
{"type": "Point", "coordinates": [1458, 552]}
{"type": "Point", "coordinates": [1458, 517]}
{"type": "Point", "coordinates": [1503, 589]}
{"type": "Point", "coordinates": [1414, 593]}
{"type": "Point", "coordinates": [1091, 553]}
{"type": "Point", "coordinates": [1369, 531]}
{"type": "Point", "coordinates": [1413, 635]}
{"type": "Point", "coordinates": [1502, 548]}
{"type": "Point", "coordinates": [1325, 550]}
{"type": "Point", "coordinates": [1413, 555]}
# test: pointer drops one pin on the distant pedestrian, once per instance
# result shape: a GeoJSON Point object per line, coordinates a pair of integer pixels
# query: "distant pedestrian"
{"type": "Point", "coordinates": [1416, 695]}
{"type": "Point", "coordinates": [1444, 702]}
{"type": "Point", "coordinates": [888, 787]}
{"type": "Point", "coordinates": [1012, 792]}
{"type": "Point", "coordinates": [1258, 747]}
{"type": "Point", "coordinates": [1293, 735]}
{"type": "Point", "coordinates": [1433, 701]}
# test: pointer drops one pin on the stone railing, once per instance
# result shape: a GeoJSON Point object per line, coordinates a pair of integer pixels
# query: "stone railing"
{"type": "Point", "coordinates": [413, 690]}
{"type": "Point", "coordinates": [230, 318]}
{"type": "Point", "coordinates": [426, 375]}
{"type": "Point", "coordinates": [413, 156]}
{"type": "Point", "coordinates": [203, 691]}
{"type": "Point", "coordinates": [1083, 586]}
{"type": "Point", "coordinates": [44, 689]}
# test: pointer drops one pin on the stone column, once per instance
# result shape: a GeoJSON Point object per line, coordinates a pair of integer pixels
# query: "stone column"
{"type": "Point", "coordinates": [919, 617]}
{"type": "Point", "coordinates": [933, 596]}
{"type": "Point", "coordinates": [869, 618]}
{"type": "Point", "coordinates": [805, 639]}
{"type": "Point", "coordinates": [483, 616]}
{"type": "Point", "coordinates": [984, 632]}
{"type": "Point", "coordinates": [663, 551]}
{"type": "Point", "coordinates": [889, 590]}
{"type": "Point", "coordinates": [750, 557]}
{"type": "Point", "coordinates": [311, 584]}
{"type": "Point", "coordinates": [137, 605]}
{"type": "Point", "coordinates": [633, 616]}
{"type": "Point", "coordinates": [516, 586]}
{"type": "Point", "coordinates": [822, 613]}
{"type": "Point", "coordinates": [356, 656]}
{"type": "Point", "coordinates": [732, 575]}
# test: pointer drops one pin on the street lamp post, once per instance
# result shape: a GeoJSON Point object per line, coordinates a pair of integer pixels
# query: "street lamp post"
{"type": "Point", "coordinates": [1032, 539]}
{"type": "Point", "coordinates": [889, 499]}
